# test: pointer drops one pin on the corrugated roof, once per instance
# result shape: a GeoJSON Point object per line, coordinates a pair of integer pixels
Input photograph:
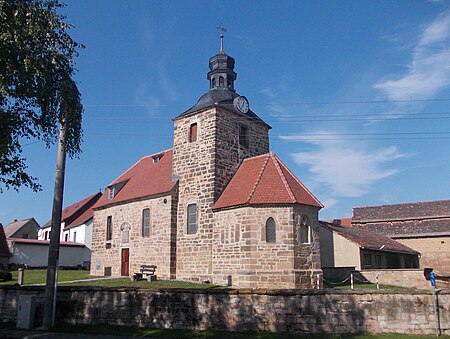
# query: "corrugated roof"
{"type": "Point", "coordinates": [369, 240]}
{"type": "Point", "coordinates": [145, 178]}
{"type": "Point", "coordinates": [264, 180]}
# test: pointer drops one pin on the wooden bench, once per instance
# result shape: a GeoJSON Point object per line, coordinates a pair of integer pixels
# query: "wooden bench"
{"type": "Point", "coordinates": [146, 272]}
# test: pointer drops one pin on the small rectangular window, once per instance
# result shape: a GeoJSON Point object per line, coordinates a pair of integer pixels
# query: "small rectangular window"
{"type": "Point", "coordinates": [74, 236]}
{"type": "Point", "coordinates": [66, 237]}
{"type": "Point", "coordinates": [192, 219]}
{"type": "Point", "coordinates": [193, 133]}
{"type": "Point", "coordinates": [109, 228]}
{"type": "Point", "coordinates": [243, 136]}
{"type": "Point", "coordinates": [146, 222]}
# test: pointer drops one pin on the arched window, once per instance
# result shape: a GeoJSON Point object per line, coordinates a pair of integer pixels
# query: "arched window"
{"type": "Point", "coordinates": [125, 233]}
{"type": "Point", "coordinates": [221, 81]}
{"type": "Point", "coordinates": [192, 219]}
{"type": "Point", "coordinates": [193, 132]}
{"type": "Point", "coordinates": [305, 230]}
{"type": "Point", "coordinates": [146, 222]}
{"type": "Point", "coordinates": [213, 84]}
{"type": "Point", "coordinates": [271, 233]}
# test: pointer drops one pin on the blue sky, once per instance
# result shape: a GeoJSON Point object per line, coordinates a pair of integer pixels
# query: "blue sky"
{"type": "Point", "coordinates": [357, 93]}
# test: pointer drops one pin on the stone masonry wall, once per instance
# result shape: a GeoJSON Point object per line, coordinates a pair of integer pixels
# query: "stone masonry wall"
{"type": "Point", "coordinates": [434, 252]}
{"type": "Point", "coordinates": [303, 311]}
{"type": "Point", "coordinates": [158, 249]}
{"type": "Point", "coordinates": [240, 249]}
{"type": "Point", "coordinates": [203, 168]}
{"type": "Point", "coordinates": [307, 255]}
{"type": "Point", "coordinates": [229, 153]}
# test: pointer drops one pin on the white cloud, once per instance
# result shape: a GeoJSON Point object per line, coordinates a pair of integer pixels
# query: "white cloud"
{"type": "Point", "coordinates": [347, 168]}
{"type": "Point", "coordinates": [143, 97]}
{"type": "Point", "coordinates": [429, 71]}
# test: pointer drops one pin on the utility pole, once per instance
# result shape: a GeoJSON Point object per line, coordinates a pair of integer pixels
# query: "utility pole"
{"type": "Point", "coordinates": [53, 249]}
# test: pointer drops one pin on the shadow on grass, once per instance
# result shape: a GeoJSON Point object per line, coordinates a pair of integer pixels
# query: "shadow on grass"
{"type": "Point", "coordinates": [161, 333]}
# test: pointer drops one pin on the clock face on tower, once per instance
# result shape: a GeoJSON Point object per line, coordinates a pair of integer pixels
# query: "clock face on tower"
{"type": "Point", "coordinates": [241, 104]}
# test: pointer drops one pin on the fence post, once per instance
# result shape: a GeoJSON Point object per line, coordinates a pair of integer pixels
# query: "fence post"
{"type": "Point", "coordinates": [351, 281]}
{"type": "Point", "coordinates": [378, 283]}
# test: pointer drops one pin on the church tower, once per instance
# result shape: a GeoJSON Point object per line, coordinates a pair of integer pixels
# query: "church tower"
{"type": "Point", "coordinates": [211, 139]}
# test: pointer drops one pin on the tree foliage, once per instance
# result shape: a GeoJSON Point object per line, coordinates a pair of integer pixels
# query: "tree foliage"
{"type": "Point", "coordinates": [37, 92]}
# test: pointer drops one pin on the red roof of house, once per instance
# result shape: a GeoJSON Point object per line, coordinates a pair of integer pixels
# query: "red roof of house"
{"type": "Point", "coordinates": [78, 212]}
{"type": "Point", "coordinates": [4, 251]}
{"type": "Point", "coordinates": [145, 178]}
{"type": "Point", "coordinates": [263, 180]}
{"type": "Point", "coordinates": [44, 242]}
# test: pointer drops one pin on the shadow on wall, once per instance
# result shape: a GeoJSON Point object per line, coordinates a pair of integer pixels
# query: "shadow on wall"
{"type": "Point", "coordinates": [302, 311]}
{"type": "Point", "coordinates": [217, 309]}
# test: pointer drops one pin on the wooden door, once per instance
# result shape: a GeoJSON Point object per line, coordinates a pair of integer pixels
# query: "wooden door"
{"type": "Point", "coordinates": [125, 262]}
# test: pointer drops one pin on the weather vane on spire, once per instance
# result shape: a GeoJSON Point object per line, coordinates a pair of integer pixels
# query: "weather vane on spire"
{"type": "Point", "coordinates": [221, 30]}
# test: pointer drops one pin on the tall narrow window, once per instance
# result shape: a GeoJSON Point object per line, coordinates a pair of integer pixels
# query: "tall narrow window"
{"type": "Point", "coordinates": [74, 236]}
{"type": "Point", "coordinates": [146, 222]}
{"type": "Point", "coordinates": [305, 230]}
{"type": "Point", "coordinates": [221, 81]}
{"type": "Point", "coordinates": [193, 132]}
{"type": "Point", "coordinates": [271, 233]}
{"type": "Point", "coordinates": [112, 193]}
{"type": "Point", "coordinates": [109, 228]}
{"type": "Point", "coordinates": [66, 237]}
{"type": "Point", "coordinates": [243, 136]}
{"type": "Point", "coordinates": [192, 219]}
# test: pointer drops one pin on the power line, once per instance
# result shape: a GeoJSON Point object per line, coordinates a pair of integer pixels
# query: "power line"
{"type": "Point", "coordinates": [284, 103]}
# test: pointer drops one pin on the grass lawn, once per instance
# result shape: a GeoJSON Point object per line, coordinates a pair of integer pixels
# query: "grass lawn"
{"type": "Point", "coordinates": [159, 333]}
{"type": "Point", "coordinates": [39, 276]}
{"type": "Point", "coordinates": [369, 286]}
{"type": "Point", "coordinates": [126, 282]}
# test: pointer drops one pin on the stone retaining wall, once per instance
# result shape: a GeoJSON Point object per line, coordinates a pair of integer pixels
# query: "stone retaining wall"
{"type": "Point", "coordinates": [307, 311]}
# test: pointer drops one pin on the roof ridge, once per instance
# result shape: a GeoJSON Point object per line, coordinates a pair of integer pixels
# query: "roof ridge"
{"type": "Point", "coordinates": [283, 178]}
{"type": "Point", "coordinates": [259, 177]}
{"type": "Point", "coordinates": [299, 182]}
{"type": "Point", "coordinates": [405, 203]}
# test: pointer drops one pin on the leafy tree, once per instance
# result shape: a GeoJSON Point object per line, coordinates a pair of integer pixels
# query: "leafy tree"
{"type": "Point", "coordinates": [37, 92]}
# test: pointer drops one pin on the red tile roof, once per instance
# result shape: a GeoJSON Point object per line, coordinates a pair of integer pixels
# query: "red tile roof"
{"type": "Point", "coordinates": [369, 240]}
{"type": "Point", "coordinates": [263, 180]}
{"type": "Point", "coordinates": [4, 251]}
{"type": "Point", "coordinates": [44, 242]}
{"type": "Point", "coordinates": [78, 212]}
{"type": "Point", "coordinates": [143, 179]}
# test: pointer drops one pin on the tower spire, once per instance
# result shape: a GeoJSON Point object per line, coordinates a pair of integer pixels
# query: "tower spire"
{"type": "Point", "coordinates": [221, 30]}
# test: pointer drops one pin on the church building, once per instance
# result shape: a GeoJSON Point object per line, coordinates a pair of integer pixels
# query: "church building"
{"type": "Point", "coordinates": [217, 207]}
